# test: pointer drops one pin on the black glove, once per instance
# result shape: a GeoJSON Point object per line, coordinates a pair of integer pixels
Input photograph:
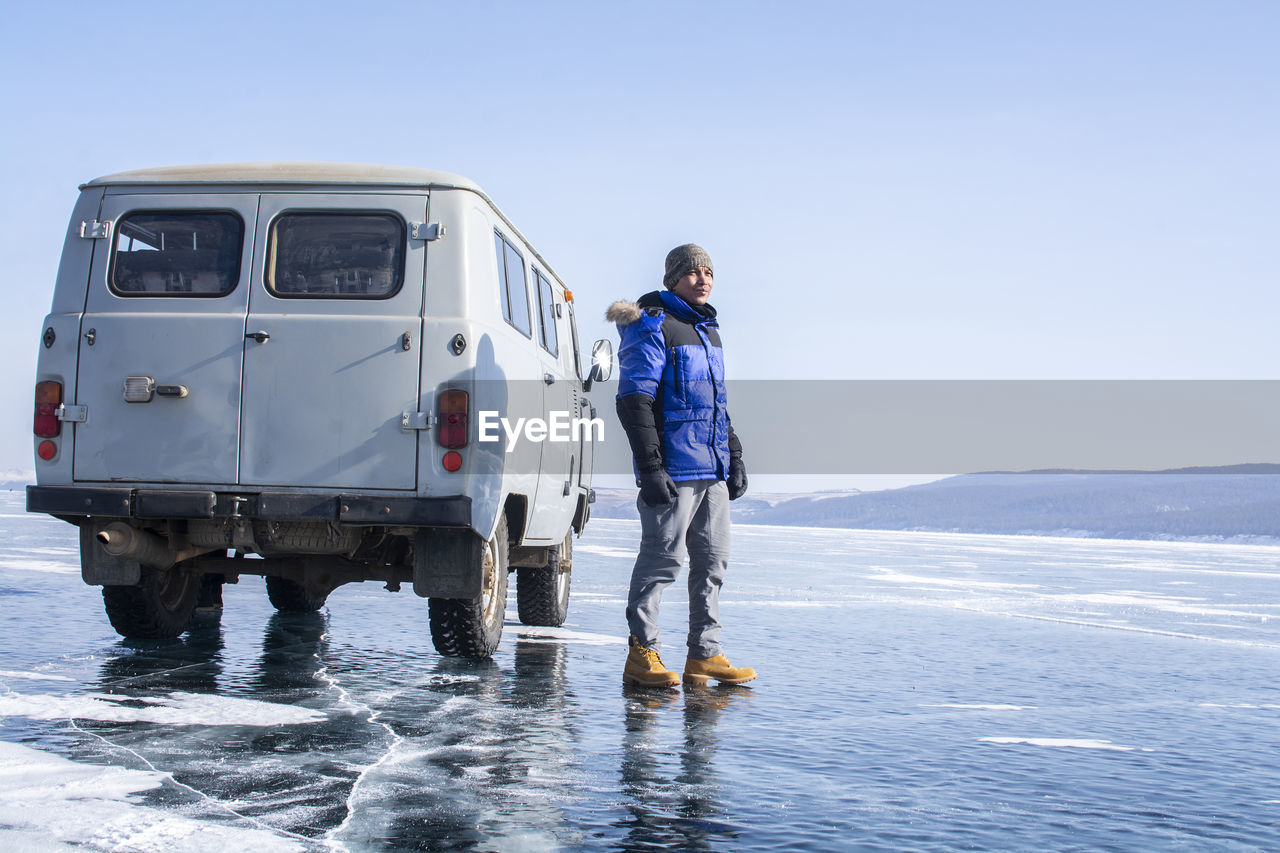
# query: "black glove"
{"type": "Point", "coordinates": [737, 478]}
{"type": "Point", "coordinates": [656, 488]}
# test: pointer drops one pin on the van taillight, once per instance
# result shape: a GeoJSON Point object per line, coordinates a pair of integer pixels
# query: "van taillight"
{"type": "Point", "coordinates": [48, 398]}
{"type": "Point", "coordinates": [452, 408]}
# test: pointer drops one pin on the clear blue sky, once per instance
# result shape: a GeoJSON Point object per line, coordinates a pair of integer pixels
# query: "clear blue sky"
{"type": "Point", "coordinates": [888, 190]}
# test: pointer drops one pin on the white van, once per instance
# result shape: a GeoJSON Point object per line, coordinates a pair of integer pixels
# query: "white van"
{"type": "Point", "coordinates": [282, 369]}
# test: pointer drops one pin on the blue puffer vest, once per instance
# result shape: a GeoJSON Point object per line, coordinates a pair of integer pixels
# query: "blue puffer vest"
{"type": "Point", "coordinates": [671, 353]}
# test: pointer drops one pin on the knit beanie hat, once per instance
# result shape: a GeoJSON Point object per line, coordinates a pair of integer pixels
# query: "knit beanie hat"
{"type": "Point", "coordinates": [681, 259]}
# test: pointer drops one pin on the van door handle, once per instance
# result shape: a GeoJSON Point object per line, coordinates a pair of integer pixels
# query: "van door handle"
{"type": "Point", "coordinates": [260, 337]}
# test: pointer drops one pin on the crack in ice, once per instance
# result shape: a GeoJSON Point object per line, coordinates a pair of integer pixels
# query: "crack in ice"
{"type": "Point", "coordinates": [330, 839]}
{"type": "Point", "coordinates": [208, 798]}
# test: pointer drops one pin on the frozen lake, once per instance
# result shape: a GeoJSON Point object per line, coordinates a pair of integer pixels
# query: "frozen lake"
{"type": "Point", "coordinates": [916, 691]}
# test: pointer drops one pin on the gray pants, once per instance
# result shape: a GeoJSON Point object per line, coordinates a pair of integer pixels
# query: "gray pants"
{"type": "Point", "coordinates": [696, 520]}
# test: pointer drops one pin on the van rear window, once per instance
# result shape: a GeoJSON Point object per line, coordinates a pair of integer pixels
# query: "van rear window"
{"type": "Point", "coordinates": [336, 255]}
{"type": "Point", "coordinates": [176, 253]}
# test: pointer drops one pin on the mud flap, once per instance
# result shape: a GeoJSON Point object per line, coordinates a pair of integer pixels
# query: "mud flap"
{"type": "Point", "coordinates": [448, 563]}
{"type": "Point", "coordinates": [98, 568]}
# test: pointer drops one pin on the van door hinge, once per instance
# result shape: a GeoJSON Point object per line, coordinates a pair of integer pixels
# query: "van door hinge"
{"type": "Point", "coordinates": [410, 421]}
{"type": "Point", "coordinates": [94, 229]}
{"type": "Point", "coordinates": [72, 414]}
{"type": "Point", "coordinates": [427, 231]}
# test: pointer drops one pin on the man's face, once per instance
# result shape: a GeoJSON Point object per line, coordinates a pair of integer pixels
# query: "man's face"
{"type": "Point", "coordinates": [694, 286]}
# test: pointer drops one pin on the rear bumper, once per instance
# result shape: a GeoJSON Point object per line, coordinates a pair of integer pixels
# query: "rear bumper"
{"type": "Point", "coordinates": [130, 502]}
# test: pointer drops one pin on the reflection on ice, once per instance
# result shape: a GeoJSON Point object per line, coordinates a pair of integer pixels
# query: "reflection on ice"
{"type": "Point", "coordinates": [676, 801]}
{"type": "Point", "coordinates": [489, 757]}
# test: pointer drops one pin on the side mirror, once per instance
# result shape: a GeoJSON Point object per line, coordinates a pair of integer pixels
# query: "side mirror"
{"type": "Point", "coordinates": [601, 364]}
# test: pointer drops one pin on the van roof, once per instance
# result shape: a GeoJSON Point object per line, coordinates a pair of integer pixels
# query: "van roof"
{"type": "Point", "coordinates": [316, 174]}
{"type": "Point", "coordinates": [288, 173]}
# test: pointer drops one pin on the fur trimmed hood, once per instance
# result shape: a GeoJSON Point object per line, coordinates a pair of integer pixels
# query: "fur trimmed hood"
{"type": "Point", "coordinates": [623, 312]}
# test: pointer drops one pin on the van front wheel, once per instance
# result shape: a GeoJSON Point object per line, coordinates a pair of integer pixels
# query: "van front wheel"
{"type": "Point", "coordinates": [542, 595]}
{"type": "Point", "coordinates": [158, 607]}
{"type": "Point", "coordinates": [472, 627]}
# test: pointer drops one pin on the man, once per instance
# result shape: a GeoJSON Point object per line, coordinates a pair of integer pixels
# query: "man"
{"type": "Point", "coordinates": [688, 461]}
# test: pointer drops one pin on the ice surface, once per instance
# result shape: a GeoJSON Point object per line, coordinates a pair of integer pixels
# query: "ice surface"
{"type": "Point", "coordinates": [917, 691]}
{"type": "Point", "coordinates": [50, 803]}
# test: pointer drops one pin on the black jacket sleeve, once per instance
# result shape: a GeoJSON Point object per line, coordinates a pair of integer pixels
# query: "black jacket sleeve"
{"type": "Point", "coordinates": [640, 421]}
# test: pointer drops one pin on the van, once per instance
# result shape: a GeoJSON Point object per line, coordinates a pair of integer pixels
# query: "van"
{"type": "Point", "coordinates": [283, 369]}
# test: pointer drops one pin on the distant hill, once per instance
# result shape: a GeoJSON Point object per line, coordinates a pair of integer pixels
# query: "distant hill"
{"type": "Point", "coordinates": [1236, 502]}
{"type": "Point", "coordinates": [16, 480]}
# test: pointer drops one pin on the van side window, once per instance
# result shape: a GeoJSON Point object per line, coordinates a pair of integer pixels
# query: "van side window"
{"type": "Point", "coordinates": [322, 255]}
{"type": "Point", "coordinates": [547, 315]}
{"type": "Point", "coordinates": [511, 281]}
{"type": "Point", "coordinates": [176, 253]}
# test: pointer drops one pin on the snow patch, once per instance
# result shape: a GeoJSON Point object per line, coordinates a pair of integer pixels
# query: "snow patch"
{"type": "Point", "coordinates": [442, 680]}
{"type": "Point", "coordinates": [606, 551]}
{"type": "Point", "coordinates": [28, 564]}
{"type": "Point", "coordinates": [32, 676]}
{"type": "Point", "coordinates": [898, 577]}
{"type": "Point", "coordinates": [1070, 743]}
{"type": "Point", "coordinates": [550, 635]}
{"type": "Point", "coordinates": [769, 602]}
{"type": "Point", "coordinates": [984, 707]}
{"type": "Point", "coordinates": [176, 709]}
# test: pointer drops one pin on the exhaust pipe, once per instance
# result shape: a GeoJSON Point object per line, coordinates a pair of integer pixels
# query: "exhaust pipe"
{"type": "Point", "coordinates": [120, 540]}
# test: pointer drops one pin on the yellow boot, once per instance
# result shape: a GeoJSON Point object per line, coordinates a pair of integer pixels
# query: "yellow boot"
{"type": "Point", "coordinates": [697, 671]}
{"type": "Point", "coordinates": [645, 669]}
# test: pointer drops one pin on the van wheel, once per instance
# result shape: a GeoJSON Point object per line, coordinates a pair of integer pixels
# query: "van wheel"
{"type": "Point", "coordinates": [542, 595]}
{"type": "Point", "coordinates": [471, 628]}
{"type": "Point", "coordinates": [158, 607]}
{"type": "Point", "coordinates": [291, 597]}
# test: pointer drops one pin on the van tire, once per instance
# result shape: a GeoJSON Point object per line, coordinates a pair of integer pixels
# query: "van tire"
{"type": "Point", "coordinates": [542, 595]}
{"type": "Point", "coordinates": [159, 607]}
{"type": "Point", "coordinates": [291, 597]}
{"type": "Point", "coordinates": [472, 628]}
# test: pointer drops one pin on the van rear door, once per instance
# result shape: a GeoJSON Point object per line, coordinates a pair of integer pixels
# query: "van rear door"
{"type": "Point", "coordinates": [332, 343]}
{"type": "Point", "coordinates": [162, 339]}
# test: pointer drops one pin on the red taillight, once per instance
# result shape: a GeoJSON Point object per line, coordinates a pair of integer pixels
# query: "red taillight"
{"type": "Point", "coordinates": [47, 450]}
{"type": "Point", "coordinates": [48, 398]}
{"type": "Point", "coordinates": [452, 408]}
{"type": "Point", "coordinates": [452, 461]}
